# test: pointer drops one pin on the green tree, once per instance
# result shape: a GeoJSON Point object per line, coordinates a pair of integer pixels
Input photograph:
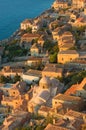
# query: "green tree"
{"type": "Point", "coordinates": [73, 78]}
{"type": "Point", "coordinates": [48, 45]}
{"type": "Point", "coordinates": [49, 120]}
{"type": "Point", "coordinates": [40, 128]}
{"type": "Point", "coordinates": [53, 58]}
{"type": "Point", "coordinates": [16, 78]}
{"type": "Point", "coordinates": [13, 51]}
{"type": "Point", "coordinates": [24, 128]}
{"type": "Point", "coordinates": [29, 30]}
{"type": "Point", "coordinates": [51, 47]}
{"type": "Point", "coordinates": [2, 79]}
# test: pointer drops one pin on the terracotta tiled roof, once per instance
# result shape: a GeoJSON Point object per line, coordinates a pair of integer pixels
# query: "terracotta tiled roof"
{"type": "Point", "coordinates": [75, 87]}
{"type": "Point", "coordinates": [30, 35]}
{"type": "Point", "coordinates": [53, 68]}
{"type": "Point", "coordinates": [72, 89]}
{"type": "Point", "coordinates": [53, 127]}
{"type": "Point", "coordinates": [75, 114]}
{"type": "Point", "coordinates": [31, 58]}
{"type": "Point", "coordinates": [34, 72]}
{"type": "Point", "coordinates": [81, 85]}
{"type": "Point", "coordinates": [27, 21]}
{"type": "Point", "coordinates": [67, 33]}
{"type": "Point", "coordinates": [68, 52]}
{"type": "Point", "coordinates": [80, 19]}
{"type": "Point", "coordinates": [67, 98]}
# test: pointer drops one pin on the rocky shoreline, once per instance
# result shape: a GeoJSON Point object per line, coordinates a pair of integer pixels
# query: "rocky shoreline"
{"type": "Point", "coordinates": [9, 39]}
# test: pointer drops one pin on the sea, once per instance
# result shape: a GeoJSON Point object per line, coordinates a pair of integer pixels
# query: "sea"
{"type": "Point", "coordinates": [13, 12]}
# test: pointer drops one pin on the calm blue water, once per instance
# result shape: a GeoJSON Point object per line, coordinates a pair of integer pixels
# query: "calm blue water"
{"type": "Point", "coordinates": [12, 12]}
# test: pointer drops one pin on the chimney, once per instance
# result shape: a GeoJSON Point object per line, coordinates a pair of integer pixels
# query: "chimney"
{"type": "Point", "coordinates": [3, 97]}
{"type": "Point", "coordinates": [54, 121]}
{"type": "Point", "coordinates": [56, 110]}
{"type": "Point", "coordinates": [84, 118]}
{"type": "Point", "coordinates": [20, 97]}
{"type": "Point", "coordinates": [27, 97]}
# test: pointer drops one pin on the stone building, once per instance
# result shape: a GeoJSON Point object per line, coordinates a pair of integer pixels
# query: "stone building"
{"type": "Point", "coordinates": [72, 120]}
{"type": "Point", "coordinates": [41, 40]}
{"type": "Point", "coordinates": [75, 115]}
{"type": "Point", "coordinates": [56, 33]}
{"type": "Point", "coordinates": [17, 89]}
{"type": "Point", "coordinates": [15, 98]}
{"type": "Point", "coordinates": [62, 31]}
{"type": "Point", "coordinates": [54, 24]}
{"type": "Point", "coordinates": [26, 24]}
{"type": "Point", "coordinates": [44, 111]}
{"type": "Point", "coordinates": [85, 10]}
{"type": "Point", "coordinates": [5, 88]}
{"type": "Point", "coordinates": [60, 4]}
{"type": "Point", "coordinates": [54, 127]}
{"type": "Point", "coordinates": [67, 56]}
{"type": "Point", "coordinates": [31, 76]}
{"type": "Point", "coordinates": [13, 89]}
{"type": "Point", "coordinates": [13, 102]}
{"type": "Point", "coordinates": [78, 89]}
{"type": "Point", "coordinates": [35, 27]}
{"type": "Point", "coordinates": [76, 119]}
{"type": "Point", "coordinates": [53, 70]}
{"type": "Point", "coordinates": [43, 93]}
{"type": "Point", "coordinates": [28, 37]}
{"type": "Point", "coordinates": [35, 50]}
{"type": "Point", "coordinates": [68, 102]}
{"type": "Point", "coordinates": [78, 3]}
{"type": "Point", "coordinates": [11, 71]}
{"type": "Point", "coordinates": [15, 120]}
{"type": "Point", "coordinates": [67, 37]}
{"type": "Point", "coordinates": [66, 41]}
{"type": "Point", "coordinates": [34, 61]}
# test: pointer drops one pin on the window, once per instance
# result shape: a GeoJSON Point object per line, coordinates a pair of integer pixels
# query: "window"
{"type": "Point", "coordinates": [62, 58]}
{"type": "Point", "coordinates": [13, 92]}
{"type": "Point", "coordinates": [55, 102]}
